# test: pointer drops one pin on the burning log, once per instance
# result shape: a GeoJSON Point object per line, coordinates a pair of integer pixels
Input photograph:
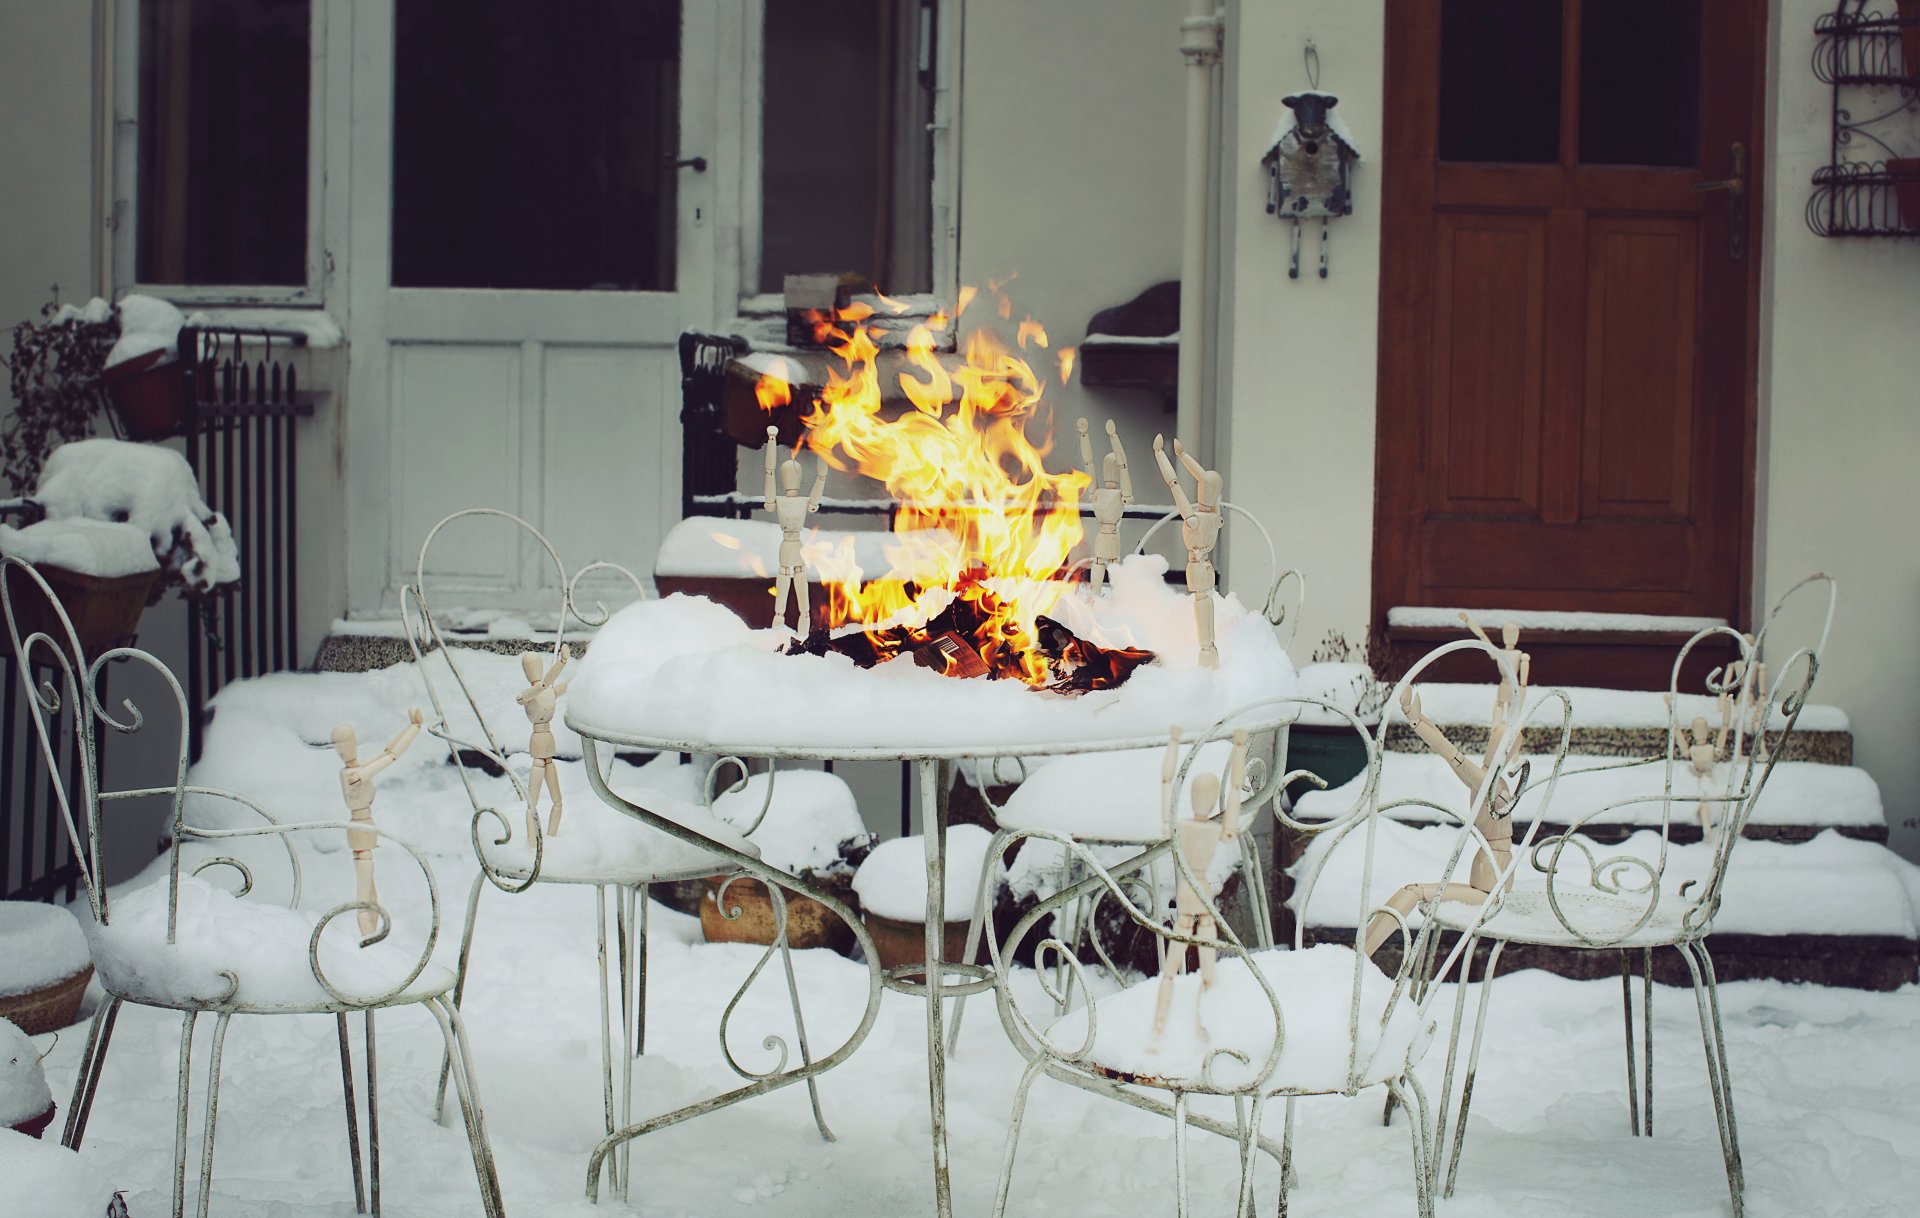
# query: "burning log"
{"type": "Point", "coordinates": [968, 638]}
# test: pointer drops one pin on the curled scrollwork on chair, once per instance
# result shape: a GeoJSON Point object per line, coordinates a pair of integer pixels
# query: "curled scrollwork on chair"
{"type": "Point", "coordinates": [711, 792]}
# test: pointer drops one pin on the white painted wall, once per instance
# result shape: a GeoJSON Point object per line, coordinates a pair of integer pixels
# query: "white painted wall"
{"type": "Point", "coordinates": [1300, 355]}
{"type": "Point", "coordinates": [46, 157]}
{"type": "Point", "coordinates": [1071, 125]}
{"type": "Point", "coordinates": [1840, 402]}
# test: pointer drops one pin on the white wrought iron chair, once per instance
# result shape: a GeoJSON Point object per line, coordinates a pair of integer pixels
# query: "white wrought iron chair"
{"type": "Point", "coordinates": [1290, 1023]}
{"type": "Point", "coordinates": [513, 861]}
{"type": "Point", "coordinates": [167, 945]}
{"type": "Point", "coordinates": [1625, 902]}
{"type": "Point", "coordinates": [1119, 831]}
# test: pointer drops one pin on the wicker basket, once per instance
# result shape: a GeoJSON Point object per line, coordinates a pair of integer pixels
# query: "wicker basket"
{"type": "Point", "coordinates": [49, 1008]}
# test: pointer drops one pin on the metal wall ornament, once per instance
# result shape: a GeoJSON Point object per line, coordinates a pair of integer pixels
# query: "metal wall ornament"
{"type": "Point", "coordinates": [65, 687]}
{"type": "Point", "coordinates": [1309, 164]}
{"type": "Point", "coordinates": [1870, 54]}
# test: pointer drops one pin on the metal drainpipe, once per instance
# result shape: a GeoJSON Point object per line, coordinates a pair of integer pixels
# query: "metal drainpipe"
{"type": "Point", "coordinates": [1200, 44]}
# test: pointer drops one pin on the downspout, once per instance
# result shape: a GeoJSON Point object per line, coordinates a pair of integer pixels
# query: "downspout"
{"type": "Point", "coordinates": [1200, 44]}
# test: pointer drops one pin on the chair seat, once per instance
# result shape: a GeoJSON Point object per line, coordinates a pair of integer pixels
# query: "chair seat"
{"type": "Point", "coordinates": [1605, 919]}
{"type": "Point", "coordinates": [1315, 992]}
{"type": "Point", "coordinates": [264, 946]}
{"type": "Point", "coordinates": [1113, 797]}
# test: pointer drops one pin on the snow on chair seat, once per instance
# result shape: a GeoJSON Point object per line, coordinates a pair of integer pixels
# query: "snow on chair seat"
{"type": "Point", "coordinates": [234, 954]}
{"type": "Point", "coordinates": [1314, 988]}
{"type": "Point", "coordinates": [1103, 797]}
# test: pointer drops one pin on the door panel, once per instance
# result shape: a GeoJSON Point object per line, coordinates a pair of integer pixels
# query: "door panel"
{"type": "Point", "coordinates": [1567, 368]}
{"type": "Point", "coordinates": [485, 380]}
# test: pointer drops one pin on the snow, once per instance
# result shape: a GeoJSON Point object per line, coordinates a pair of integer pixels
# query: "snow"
{"type": "Point", "coordinates": [1314, 989]}
{"type": "Point", "coordinates": [1450, 703]}
{"type": "Point", "coordinates": [685, 669]}
{"type": "Point", "coordinates": [24, 1093]}
{"type": "Point", "coordinates": [322, 332]}
{"type": "Point", "coordinates": [46, 1180]}
{"type": "Point", "coordinates": [1825, 1076]}
{"type": "Point", "coordinates": [93, 312]}
{"type": "Point", "coordinates": [1131, 340]}
{"type": "Point", "coordinates": [1831, 885]}
{"type": "Point", "coordinates": [1432, 617]}
{"type": "Point", "coordinates": [1109, 796]}
{"type": "Point", "coordinates": [892, 882]}
{"type": "Point", "coordinates": [151, 488]}
{"type": "Point", "coordinates": [39, 945]}
{"type": "Point", "coordinates": [1798, 793]}
{"type": "Point", "coordinates": [146, 324]}
{"type": "Point", "coordinates": [104, 549]}
{"type": "Point", "coordinates": [813, 814]}
{"type": "Point", "coordinates": [715, 547]}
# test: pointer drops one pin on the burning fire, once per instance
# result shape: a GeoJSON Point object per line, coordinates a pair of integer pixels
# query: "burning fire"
{"type": "Point", "coordinates": [959, 461]}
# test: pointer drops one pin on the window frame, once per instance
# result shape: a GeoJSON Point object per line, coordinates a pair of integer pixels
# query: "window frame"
{"type": "Point", "coordinates": [123, 218]}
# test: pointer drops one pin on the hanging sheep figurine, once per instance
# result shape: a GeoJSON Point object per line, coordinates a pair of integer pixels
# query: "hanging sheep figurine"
{"type": "Point", "coordinates": [1309, 164]}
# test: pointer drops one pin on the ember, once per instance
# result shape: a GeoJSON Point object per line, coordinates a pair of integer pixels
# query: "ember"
{"type": "Point", "coordinates": [959, 641]}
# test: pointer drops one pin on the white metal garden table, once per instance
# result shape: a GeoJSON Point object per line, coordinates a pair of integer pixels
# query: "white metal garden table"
{"type": "Point", "coordinates": [933, 764]}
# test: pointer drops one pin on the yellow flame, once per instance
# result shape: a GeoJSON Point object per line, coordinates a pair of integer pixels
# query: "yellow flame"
{"type": "Point", "coordinates": [774, 389]}
{"type": "Point", "coordinates": [1030, 329]}
{"type": "Point", "coordinates": [1067, 357]}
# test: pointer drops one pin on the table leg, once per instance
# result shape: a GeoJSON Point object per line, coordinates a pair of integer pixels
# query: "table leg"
{"type": "Point", "coordinates": [935, 782]}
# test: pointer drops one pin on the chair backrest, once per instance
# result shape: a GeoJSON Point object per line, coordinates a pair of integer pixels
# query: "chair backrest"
{"type": "Point", "coordinates": [1282, 610]}
{"type": "Point", "coordinates": [1757, 696]}
{"type": "Point", "coordinates": [64, 691]}
{"type": "Point", "coordinates": [473, 742]}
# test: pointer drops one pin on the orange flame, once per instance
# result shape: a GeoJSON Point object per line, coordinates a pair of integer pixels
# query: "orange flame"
{"type": "Point", "coordinates": [773, 390]}
{"type": "Point", "coordinates": [960, 461]}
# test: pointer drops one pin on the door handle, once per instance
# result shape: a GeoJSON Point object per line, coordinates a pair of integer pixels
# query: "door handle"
{"type": "Point", "coordinates": [696, 163]}
{"type": "Point", "coordinates": [1736, 188]}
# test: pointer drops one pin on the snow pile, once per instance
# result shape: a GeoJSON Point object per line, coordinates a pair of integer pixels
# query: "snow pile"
{"type": "Point", "coordinates": [1448, 703]}
{"type": "Point", "coordinates": [24, 1093]}
{"type": "Point", "coordinates": [261, 944]}
{"type": "Point", "coordinates": [686, 670]}
{"type": "Point", "coordinates": [1832, 885]}
{"type": "Point", "coordinates": [1315, 991]}
{"type": "Point", "coordinates": [1425, 617]}
{"type": "Point", "coordinates": [715, 547]}
{"type": "Point", "coordinates": [146, 325]}
{"type": "Point", "coordinates": [1041, 869]}
{"type": "Point", "coordinates": [47, 1180]}
{"type": "Point", "coordinates": [39, 946]}
{"type": "Point", "coordinates": [1349, 686]}
{"type": "Point", "coordinates": [811, 826]}
{"type": "Point", "coordinates": [1110, 796]}
{"type": "Point", "coordinates": [1798, 793]}
{"type": "Point", "coordinates": [103, 549]}
{"type": "Point", "coordinates": [893, 880]}
{"type": "Point", "coordinates": [151, 488]}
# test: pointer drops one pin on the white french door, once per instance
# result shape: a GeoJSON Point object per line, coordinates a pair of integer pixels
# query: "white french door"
{"type": "Point", "coordinates": [523, 252]}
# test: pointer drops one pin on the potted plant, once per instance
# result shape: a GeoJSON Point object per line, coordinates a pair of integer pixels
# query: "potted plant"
{"type": "Point", "coordinates": [810, 828]}
{"type": "Point", "coordinates": [1906, 173]}
{"type": "Point", "coordinates": [892, 887]}
{"type": "Point", "coordinates": [1910, 48]}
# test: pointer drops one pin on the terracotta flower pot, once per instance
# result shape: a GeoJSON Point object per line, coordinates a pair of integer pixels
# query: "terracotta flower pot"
{"type": "Point", "coordinates": [905, 943]}
{"type": "Point", "coordinates": [809, 923]}
{"type": "Point", "coordinates": [1910, 42]}
{"type": "Point", "coordinates": [149, 396]}
{"type": "Point", "coordinates": [36, 1126]}
{"type": "Point", "coordinates": [49, 1008]}
{"type": "Point", "coordinates": [105, 610]}
{"type": "Point", "coordinates": [1906, 185]}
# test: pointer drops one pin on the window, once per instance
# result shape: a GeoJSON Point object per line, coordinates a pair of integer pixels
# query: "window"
{"type": "Point", "coordinates": [222, 168]}
{"type": "Point", "coordinates": [846, 150]}
{"type": "Point", "coordinates": [534, 144]}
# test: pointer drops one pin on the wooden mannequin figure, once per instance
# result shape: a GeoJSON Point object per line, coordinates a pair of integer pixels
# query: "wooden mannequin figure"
{"type": "Point", "coordinates": [356, 786]}
{"type": "Point", "coordinates": [1198, 838]}
{"type": "Point", "coordinates": [1493, 817]}
{"type": "Point", "coordinates": [1200, 529]}
{"type": "Point", "coordinates": [540, 699]}
{"type": "Point", "coordinates": [1702, 753]}
{"type": "Point", "coordinates": [1112, 493]}
{"type": "Point", "coordinates": [791, 510]}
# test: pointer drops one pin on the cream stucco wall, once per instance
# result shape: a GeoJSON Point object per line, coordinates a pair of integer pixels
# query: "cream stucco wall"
{"type": "Point", "coordinates": [1840, 400]}
{"type": "Point", "coordinates": [46, 156]}
{"type": "Point", "coordinates": [1300, 355]}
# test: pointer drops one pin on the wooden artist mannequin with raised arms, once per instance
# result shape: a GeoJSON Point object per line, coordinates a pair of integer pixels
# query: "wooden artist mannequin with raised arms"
{"type": "Point", "coordinates": [791, 510]}
{"type": "Point", "coordinates": [1112, 493]}
{"type": "Point", "coordinates": [356, 787]}
{"type": "Point", "coordinates": [1198, 838]}
{"type": "Point", "coordinates": [1200, 530]}
{"type": "Point", "coordinates": [540, 699]}
{"type": "Point", "coordinates": [1493, 815]}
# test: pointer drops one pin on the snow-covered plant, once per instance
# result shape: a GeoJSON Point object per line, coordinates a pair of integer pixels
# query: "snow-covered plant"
{"type": "Point", "coordinates": [1368, 693]}
{"type": "Point", "coordinates": [54, 375]}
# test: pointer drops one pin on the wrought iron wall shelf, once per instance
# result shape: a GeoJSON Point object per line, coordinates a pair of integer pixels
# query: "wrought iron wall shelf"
{"type": "Point", "coordinates": [1872, 61]}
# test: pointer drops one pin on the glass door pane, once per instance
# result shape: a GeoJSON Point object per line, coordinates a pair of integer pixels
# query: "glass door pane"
{"type": "Point", "coordinates": [1640, 82]}
{"type": "Point", "coordinates": [1500, 81]}
{"type": "Point", "coordinates": [533, 144]}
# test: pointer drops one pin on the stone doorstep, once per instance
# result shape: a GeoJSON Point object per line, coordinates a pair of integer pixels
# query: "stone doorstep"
{"type": "Point", "coordinates": [1826, 748]}
{"type": "Point", "coordinates": [372, 652]}
{"type": "Point", "coordinates": [1866, 962]}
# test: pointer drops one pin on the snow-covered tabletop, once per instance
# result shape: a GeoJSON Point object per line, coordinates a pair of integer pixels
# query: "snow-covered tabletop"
{"type": "Point", "coordinates": [684, 674]}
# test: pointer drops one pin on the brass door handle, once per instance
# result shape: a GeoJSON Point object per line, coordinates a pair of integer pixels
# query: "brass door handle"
{"type": "Point", "coordinates": [1736, 188]}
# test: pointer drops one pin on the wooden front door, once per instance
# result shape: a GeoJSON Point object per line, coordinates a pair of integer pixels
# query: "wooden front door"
{"type": "Point", "coordinates": [1565, 417]}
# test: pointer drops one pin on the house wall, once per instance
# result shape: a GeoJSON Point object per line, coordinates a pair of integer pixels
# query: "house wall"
{"type": "Point", "coordinates": [1840, 410]}
{"type": "Point", "coordinates": [46, 157]}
